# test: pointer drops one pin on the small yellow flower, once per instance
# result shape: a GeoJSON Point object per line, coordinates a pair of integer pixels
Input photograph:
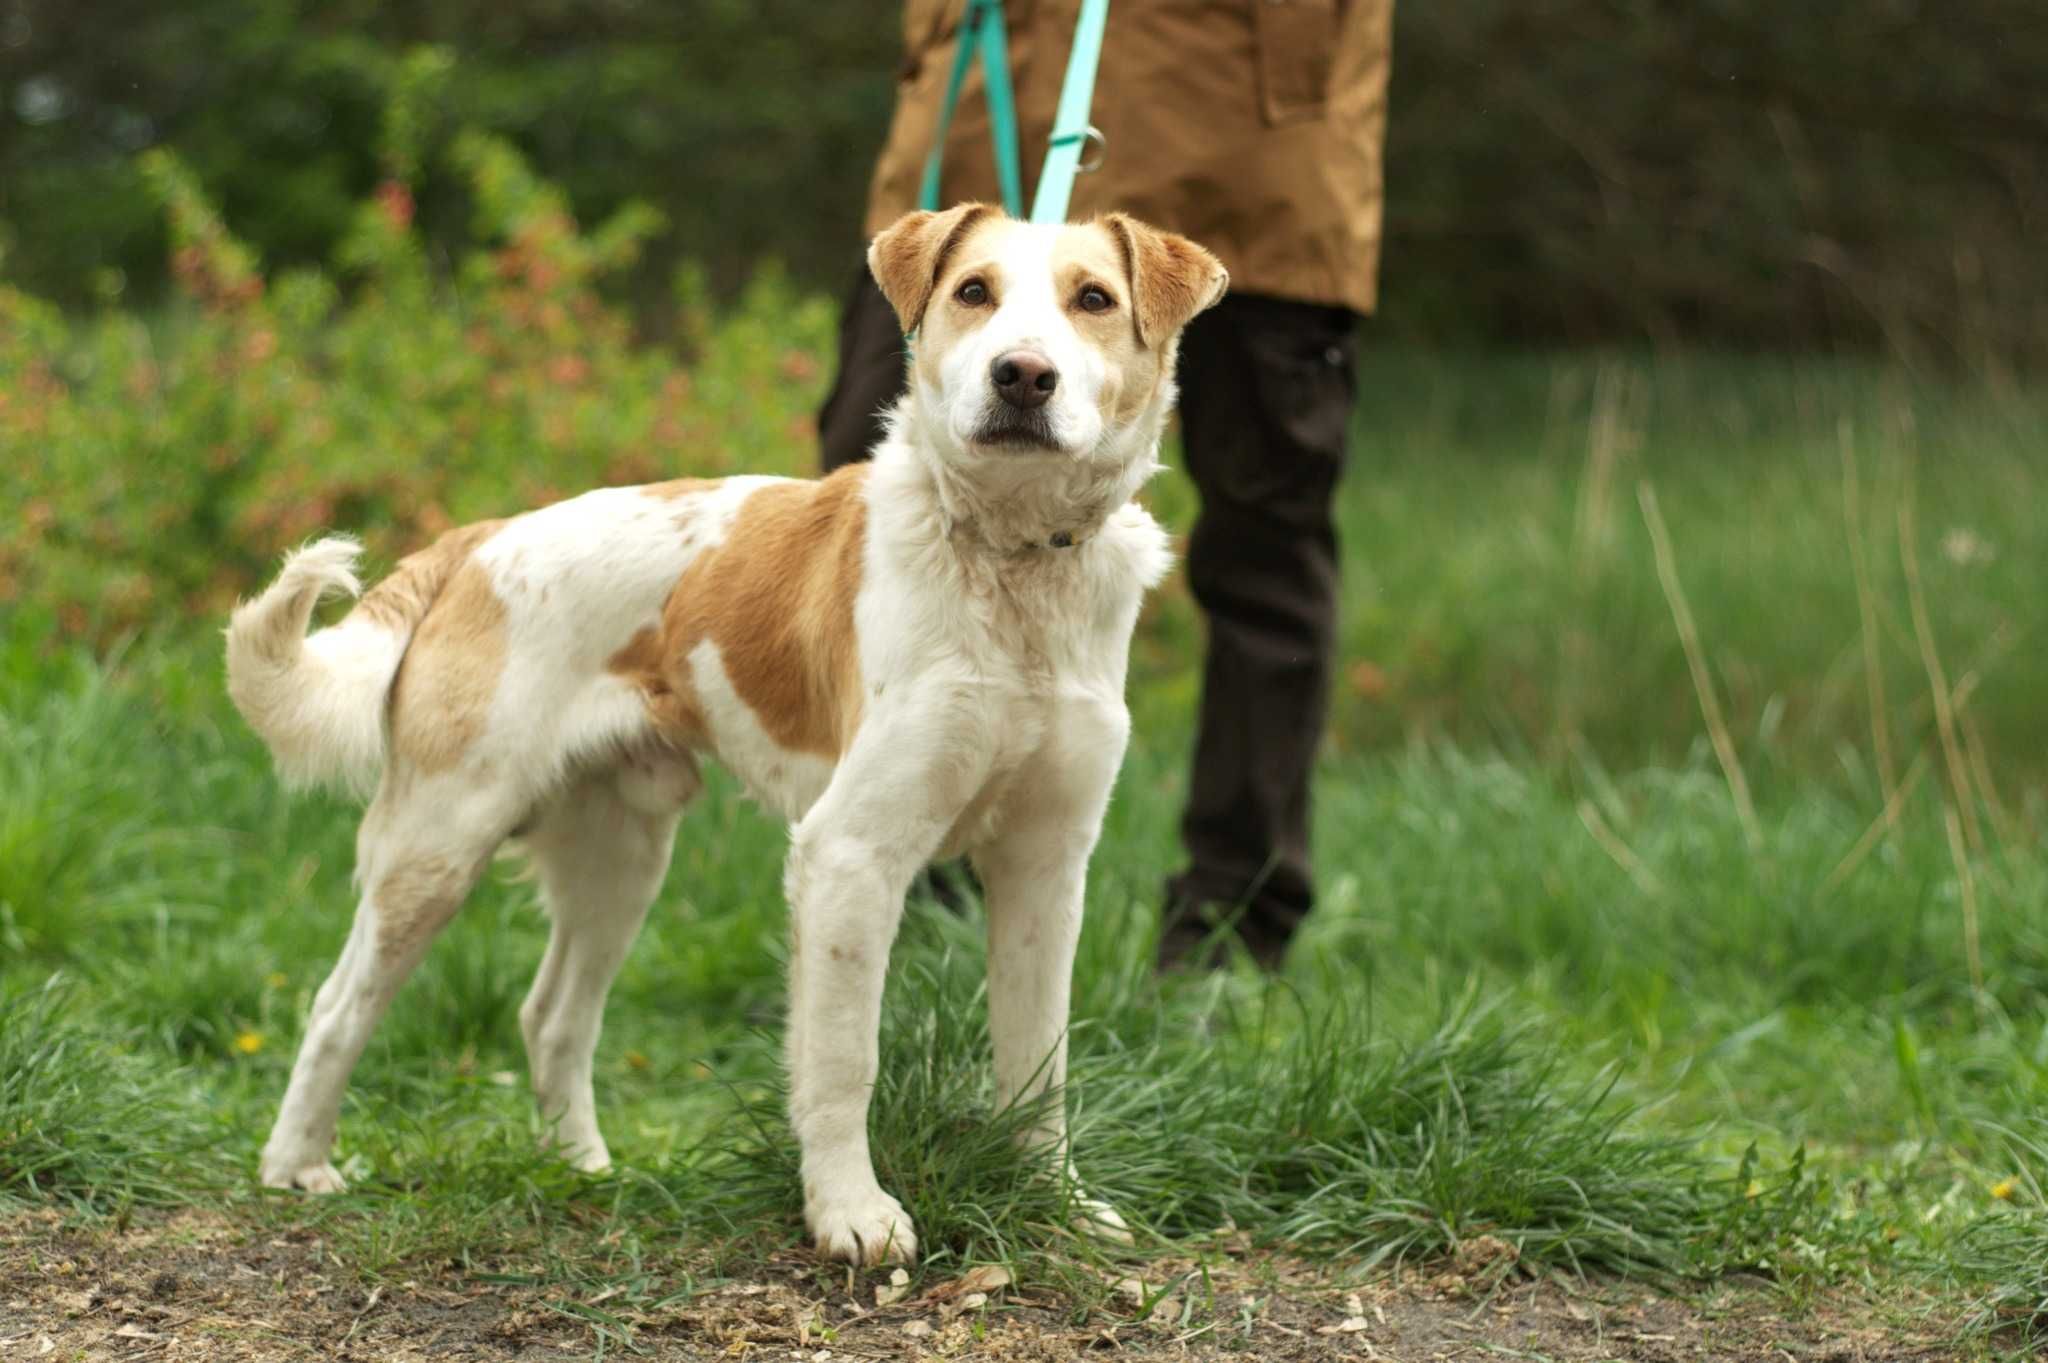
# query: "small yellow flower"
{"type": "Point", "coordinates": [635, 1060]}
{"type": "Point", "coordinates": [277, 979]}
{"type": "Point", "coordinates": [248, 1043]}
{"type": "Point", "coordinates": [2004, 1189]}
{"type": "Point", "coordinates": [1754, 1190]}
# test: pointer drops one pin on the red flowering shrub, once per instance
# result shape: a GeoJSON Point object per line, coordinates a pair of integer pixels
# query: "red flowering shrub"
{"type": "Point", "coordinates": [154, 468]}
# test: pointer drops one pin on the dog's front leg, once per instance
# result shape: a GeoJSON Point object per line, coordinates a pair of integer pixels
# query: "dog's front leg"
{"type": "Point", "coordinates": [1034, 874]}
{"type": "Point", "coordinates": [851, 859]}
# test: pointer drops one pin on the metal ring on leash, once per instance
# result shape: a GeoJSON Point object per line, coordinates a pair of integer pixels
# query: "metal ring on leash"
{"type": "Point", "coordinates": [1093, 134]}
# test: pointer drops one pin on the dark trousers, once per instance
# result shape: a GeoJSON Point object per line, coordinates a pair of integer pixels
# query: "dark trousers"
{"type": "Point", "coordinates": [1266, 390]}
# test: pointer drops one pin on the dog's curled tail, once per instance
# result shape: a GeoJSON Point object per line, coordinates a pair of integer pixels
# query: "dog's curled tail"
{"type": "Point", "coordinates": [318, 702]}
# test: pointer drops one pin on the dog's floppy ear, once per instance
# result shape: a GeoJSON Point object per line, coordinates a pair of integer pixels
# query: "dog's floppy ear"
{"type": "Point", "coordinates": [906, 256]}
{"type": "Point", "coordinates": [1172, 279]}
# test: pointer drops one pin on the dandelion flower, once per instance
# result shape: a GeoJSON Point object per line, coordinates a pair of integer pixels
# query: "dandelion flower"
{"type": "Point", "coordinates": [2004, 1189]}
{"type": "Point", "coordinates": [248, 1043]}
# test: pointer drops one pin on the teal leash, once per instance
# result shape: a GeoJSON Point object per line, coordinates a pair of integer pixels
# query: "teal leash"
{"type": "Point", "coordinates": [1070, 128]}
{"type": "Point", "coordinates": [981, 30]}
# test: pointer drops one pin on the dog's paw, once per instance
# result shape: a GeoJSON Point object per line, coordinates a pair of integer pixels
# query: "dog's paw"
{"type": "Point", "coordinates": [868, 1229]}
{"type": "Point", "coordinates": [1093, 1216]}
{"type": "Point", "coordinates": [587, 1161]}
{"type": "Point", "coordinates": [311, 1178]}
{"type": "Point", "coordinates": [586, 1155]}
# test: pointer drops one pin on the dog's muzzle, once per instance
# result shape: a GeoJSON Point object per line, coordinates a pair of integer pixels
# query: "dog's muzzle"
{"type": "Point", "coordinates": [1024, 378]}
{"type": "Point", "coordinates": [1020, 418]}
{"type": "Point", "coordinates": [1021, 429]}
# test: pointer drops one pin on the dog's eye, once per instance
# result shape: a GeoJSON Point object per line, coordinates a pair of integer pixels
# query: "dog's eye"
{"type": "Point", "coordinates": [973, 293]}
{"type": "Point", "coordinates": [1095, 299]}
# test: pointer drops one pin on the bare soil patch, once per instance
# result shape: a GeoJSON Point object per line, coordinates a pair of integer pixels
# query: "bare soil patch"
{"type": "Point", "coordinates": [194, 1286]}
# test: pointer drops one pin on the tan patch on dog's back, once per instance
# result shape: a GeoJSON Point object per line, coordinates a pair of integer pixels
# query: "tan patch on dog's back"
{"type": "Point", "coordinates": [441, 698]}
{"type": "Point", "coordinates": [776, 600]}
{"type": "Point", "coordinates": [403, 598]}
{"type": "Point", "coordinates": [676, 488]}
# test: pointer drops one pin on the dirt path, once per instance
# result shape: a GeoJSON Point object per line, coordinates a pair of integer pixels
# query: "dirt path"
{"type": "Point", "coordinates": [202, 1288]}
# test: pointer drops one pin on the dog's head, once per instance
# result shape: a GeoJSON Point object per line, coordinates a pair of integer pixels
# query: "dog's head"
{"type": "Point", "coordinates": [1041, 342]}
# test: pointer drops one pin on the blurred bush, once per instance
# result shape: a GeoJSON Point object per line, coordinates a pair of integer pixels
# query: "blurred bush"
{"type": "Point", "coordinates": [1861, 171]}
{"type": "Point", "coordinates": [171, 457]}
{"type": "Point", "coordinates": [1732, 170]}
{"type": "Point", "coordinates": [750, 123]}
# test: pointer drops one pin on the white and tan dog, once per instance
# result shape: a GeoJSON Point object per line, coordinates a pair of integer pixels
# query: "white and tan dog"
{"type": "Point", "coordinates": [908, 660]}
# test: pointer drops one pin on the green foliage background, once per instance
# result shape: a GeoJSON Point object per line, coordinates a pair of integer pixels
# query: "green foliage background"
{"type": "Point", "coordinates": [1850, 171]}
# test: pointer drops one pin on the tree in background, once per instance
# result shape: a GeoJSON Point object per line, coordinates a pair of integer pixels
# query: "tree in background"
{"type": "Point", "coordinates": [748, 123]}
{"type": "Point", "coordinates": [1735, 171]}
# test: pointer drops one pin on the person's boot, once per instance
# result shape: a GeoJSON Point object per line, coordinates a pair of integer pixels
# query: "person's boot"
{"type": "Point", "coordinates": [948, 884]}
{"type": "Point", "coordinates": [1197, 934]}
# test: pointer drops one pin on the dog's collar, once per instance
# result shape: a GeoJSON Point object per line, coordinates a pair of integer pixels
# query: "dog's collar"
{"type": "Point", "coordinates": [1060, 539]}
{"type": "Point", "coordinates": [1057, 539]}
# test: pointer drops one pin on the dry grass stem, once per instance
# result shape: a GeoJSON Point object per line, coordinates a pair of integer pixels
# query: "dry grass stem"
{"type": "Point", "coordinates": [1610, 440]}
{"type": "Point", "coordinates": [1980, 771]}
{"type": "Point", "coordinates": [1866, 606]}
{"type": "Point", "coordinates": [1608, 443]}
{"type": "Point", "coordinates": [1695, 659]}
{"type": "Point", "coordinates": [1618, 851]}
{"type": "Point", "coordinates": [1968, 881]}
{"type": "Point", "coordinates": [1937, 679]}
{"type": "Point", "coordinates": [1885, 821]}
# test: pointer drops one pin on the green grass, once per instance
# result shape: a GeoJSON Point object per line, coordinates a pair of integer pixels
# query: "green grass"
{"type": "Point", "coordinates": [1557, 991]}
{"type": "Point", "coordinates": [1323, 1118]}
{"type": "Point", "coordinates": [2003, 1258]}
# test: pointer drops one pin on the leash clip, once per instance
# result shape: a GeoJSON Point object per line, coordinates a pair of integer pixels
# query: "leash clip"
{"type": "Point", "coordinates": [1093, 134]}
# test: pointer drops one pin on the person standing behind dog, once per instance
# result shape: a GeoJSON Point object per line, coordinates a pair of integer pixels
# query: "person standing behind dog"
{"type": "Point", "coordinates": [1255, 129]}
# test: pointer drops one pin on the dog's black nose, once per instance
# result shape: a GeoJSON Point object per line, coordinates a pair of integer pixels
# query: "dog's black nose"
{"type": "Point", "coordinates": [1024, 378]}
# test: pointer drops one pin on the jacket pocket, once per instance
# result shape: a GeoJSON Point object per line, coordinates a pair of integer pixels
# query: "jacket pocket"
{"type": "Point", "coordinates": [1297, 43]}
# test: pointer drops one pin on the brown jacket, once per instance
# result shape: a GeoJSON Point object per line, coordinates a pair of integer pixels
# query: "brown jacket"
{"type": "Point", "coordinates": [1253, 126]}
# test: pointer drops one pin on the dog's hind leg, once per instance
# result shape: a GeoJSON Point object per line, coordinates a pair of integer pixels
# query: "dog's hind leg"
{"type": "Point", "coordinates": [601, 849]}
{"type": "Point", "coordinates": [417, 856]}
